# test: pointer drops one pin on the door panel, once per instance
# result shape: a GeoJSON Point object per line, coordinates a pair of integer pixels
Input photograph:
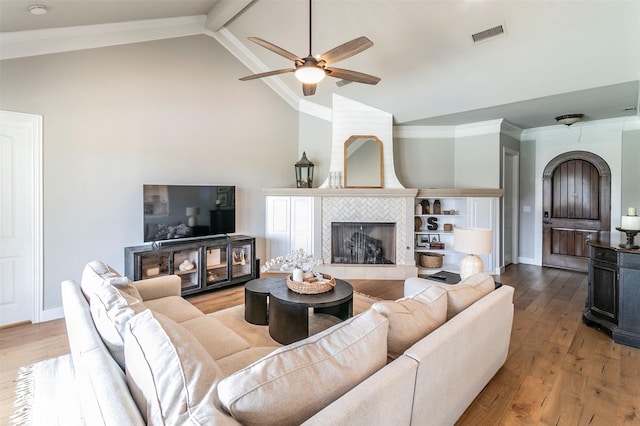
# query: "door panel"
{"type": "Point", "coordinates": [577, 204]}
{"type": "Point", "coordinates": [20, 260]}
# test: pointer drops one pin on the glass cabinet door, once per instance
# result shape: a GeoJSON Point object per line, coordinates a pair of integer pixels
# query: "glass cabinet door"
{"type": "Point", "coordinates": [186, 266]}
{"type": "Point", "coordinates": [153, 265]}
{"type": "Point", "coordinates": [241, 260]}
{"type": "Point", "coordinates": [216, 262]}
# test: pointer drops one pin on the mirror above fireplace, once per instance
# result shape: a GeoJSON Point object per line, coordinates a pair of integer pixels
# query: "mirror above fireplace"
{"type": "Point", "coordinates": [363, 166]}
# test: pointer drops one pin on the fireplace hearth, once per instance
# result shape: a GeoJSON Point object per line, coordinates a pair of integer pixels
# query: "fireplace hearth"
{"type": "Point", "coordinates": [360, 243]}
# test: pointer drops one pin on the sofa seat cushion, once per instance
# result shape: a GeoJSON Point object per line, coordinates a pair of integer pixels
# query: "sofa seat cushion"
{"type": "Point", "coordinates": [239, 360]}
{"type": "Point", "coordinates": [216, 338]}
{"type": "Point", "coordinates": [171, 376]}
{"type": "Point", "coordinates": [174, 307]}
{"type": "Point", "coordinates": [111, 310]}
{"type": "Point", "coordinates": [96, 272]}
{"type": "Point", "coordinates": [462, 295]}
{"type": "Point", "coordinates": [411, 319]}
{"type": "Point", "coordinates": [294, 382]}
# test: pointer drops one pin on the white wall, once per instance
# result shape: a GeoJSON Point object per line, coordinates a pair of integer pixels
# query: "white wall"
{"type": "Point", "coordinates": [170, 111]}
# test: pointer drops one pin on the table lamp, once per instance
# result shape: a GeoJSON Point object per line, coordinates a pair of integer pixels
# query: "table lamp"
{"type": "Point", "coordinates": [472, 241]}
{"type": "Point", "coordinates": [192, 213]}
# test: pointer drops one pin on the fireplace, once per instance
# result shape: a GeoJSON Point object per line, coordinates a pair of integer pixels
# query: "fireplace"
{"type": "Point", "coordinates": [359, 243]}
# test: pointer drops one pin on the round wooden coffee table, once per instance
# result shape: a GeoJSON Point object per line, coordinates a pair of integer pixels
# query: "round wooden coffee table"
{"type": "Point", "coordinates": [288, 311]}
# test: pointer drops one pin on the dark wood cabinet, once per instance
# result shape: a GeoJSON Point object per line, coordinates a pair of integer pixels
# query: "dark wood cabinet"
{"type": "Point", "coordinates": [613, 301]}
{"type": "Point", "coordinates": [202, 265]}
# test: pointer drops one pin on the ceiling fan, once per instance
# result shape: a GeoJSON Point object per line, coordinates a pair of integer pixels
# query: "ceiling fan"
{"type": "Point", "coordinates": [311, 70]}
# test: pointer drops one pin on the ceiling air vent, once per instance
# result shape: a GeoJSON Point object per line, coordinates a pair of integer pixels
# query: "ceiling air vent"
{"type": "Point", "coordinates": [486, 34]}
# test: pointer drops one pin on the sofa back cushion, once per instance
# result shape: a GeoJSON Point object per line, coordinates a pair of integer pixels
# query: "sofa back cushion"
{"type": "Point", "coordinates": [411, 319]}
{"type": "Point", "coordinates": [468, 291]}
{"type": "Point", "coordinates": [97, 272]}
{"type": "Point", "coordinates": [111, 310]}
{"type": "Point", "coordinates": [172, 378]}
{"type": "Point", "coordinates": [294, 382]}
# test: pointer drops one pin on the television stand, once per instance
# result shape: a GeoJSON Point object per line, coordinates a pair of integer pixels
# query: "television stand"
{"type": "Point", "coordinates": [202, 263]}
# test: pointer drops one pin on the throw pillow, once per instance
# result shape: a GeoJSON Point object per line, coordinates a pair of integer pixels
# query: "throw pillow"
{"type": "Point", "coordinates": [124, 286]}
{"type": "Point", "coordinates": [294, 382]}
{"type": "Point", "coordinates": [111, 310]}
{"type": "Point", "coordinates": [96, 273]}
{"type": "Point", "coordinates": [462, 295]}
{"type": "Point", "coordinates": [172, 378]}
{"type": "Point", "coordinates": [411, 319]}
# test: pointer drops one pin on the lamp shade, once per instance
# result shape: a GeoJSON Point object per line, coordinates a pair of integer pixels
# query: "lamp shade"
{"type": "Point", "coordinates": [193, 211]}
{"type": "Point", "coordinates": [472, 240]}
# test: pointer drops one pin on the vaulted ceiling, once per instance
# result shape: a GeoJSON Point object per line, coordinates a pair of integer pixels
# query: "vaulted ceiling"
{"type": "Point", "coordinates": [555, 56]}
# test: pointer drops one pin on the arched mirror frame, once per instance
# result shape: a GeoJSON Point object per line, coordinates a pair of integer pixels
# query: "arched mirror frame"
{"type": "Point", "coordinates": [379, 182]}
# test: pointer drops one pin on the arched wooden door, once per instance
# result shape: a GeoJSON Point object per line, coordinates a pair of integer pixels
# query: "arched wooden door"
{"type": "Point", "coordinates": [576, 204]}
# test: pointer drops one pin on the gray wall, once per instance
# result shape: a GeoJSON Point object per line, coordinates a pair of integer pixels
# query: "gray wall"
{"type": "Point", "coordinates": [425, 163]}
{"type": "Point", "coordinates": [478, 161]}
{"type": "Point", "coordinates": [166, 112]}
{"type": "Point", "coordinates": [630, 173]}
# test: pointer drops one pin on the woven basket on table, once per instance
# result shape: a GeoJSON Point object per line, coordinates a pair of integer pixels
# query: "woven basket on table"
{"type": "Point", "coordinates": [431, 260]}
{"type": "Point", "coordinates": [321, 286]}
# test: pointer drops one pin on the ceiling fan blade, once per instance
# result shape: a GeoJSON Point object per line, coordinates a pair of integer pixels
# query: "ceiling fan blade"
{"type": "Point", "coordinates": [272, 47]}
{"type": "Point", "coordinates": [309, 89]}
{"type": "Point", "coordinates": [358, 77]}
{"type": "Point", "coordinates": [346, 50]}
{"type": "Point", "coordinates": [267, 74]}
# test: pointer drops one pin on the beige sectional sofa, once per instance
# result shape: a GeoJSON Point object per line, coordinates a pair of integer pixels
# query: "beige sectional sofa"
{"type": "Point", "coordinates": [142, 354]}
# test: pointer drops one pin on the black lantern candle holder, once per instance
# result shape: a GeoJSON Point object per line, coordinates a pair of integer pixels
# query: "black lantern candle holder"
{"type": "Point", "coordinates": [304, 172]}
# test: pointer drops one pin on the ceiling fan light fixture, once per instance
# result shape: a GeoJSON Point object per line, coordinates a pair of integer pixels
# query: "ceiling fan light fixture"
{"type": "Point", "coordinates": [309, 74]}
{"type": "Point", "coordinates": [569, 119]}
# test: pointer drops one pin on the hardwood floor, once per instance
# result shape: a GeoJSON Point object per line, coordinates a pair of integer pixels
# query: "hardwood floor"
{"type": "Point", "coordinates": [558, 371]}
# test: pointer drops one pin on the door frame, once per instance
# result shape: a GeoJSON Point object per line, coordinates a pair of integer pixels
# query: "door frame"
{"type": "Point", "coordinates": [34, 123]}
{"type": "Point", "coordinates": [512, 156]}
{"type": "Point", "coordinates": [604, 190]}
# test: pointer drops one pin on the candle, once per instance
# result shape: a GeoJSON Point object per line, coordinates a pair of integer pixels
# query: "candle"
{"type": "Point", "coordinates": [631, 211]}
{"type": "Point", "coordinates": [630, 223]}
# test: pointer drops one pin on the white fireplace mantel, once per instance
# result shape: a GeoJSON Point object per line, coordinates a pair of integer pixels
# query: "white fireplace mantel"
{"type": "Point", "coordinates": [342, 192]}
{"type": "Point", "coordinates": [302, 218]}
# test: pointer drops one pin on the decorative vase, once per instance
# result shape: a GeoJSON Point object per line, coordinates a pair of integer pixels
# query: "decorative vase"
{"type": "Point", "coordinates": [296, 275]}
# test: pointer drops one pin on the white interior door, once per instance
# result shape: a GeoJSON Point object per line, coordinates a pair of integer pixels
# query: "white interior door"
{"type": "Point", "coordinates": [20, 217]}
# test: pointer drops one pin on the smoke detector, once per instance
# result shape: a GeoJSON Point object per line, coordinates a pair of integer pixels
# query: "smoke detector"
{"type": "Point", "coordinates": [38, 9]}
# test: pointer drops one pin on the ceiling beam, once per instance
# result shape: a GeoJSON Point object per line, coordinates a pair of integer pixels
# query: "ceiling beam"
{"type": "Point", "coordinates": [224, 11]}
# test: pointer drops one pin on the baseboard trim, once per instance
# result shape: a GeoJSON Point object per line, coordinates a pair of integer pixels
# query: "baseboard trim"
{"type": "Point", "coordinates": [51, 314]}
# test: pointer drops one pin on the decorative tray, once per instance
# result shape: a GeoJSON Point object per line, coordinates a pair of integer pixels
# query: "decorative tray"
{"type": "Point", "coordinates": [308, 286]}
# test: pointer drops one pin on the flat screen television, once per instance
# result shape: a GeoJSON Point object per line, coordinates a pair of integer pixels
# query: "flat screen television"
{"type": "Point", "coordinates": [174, 212]}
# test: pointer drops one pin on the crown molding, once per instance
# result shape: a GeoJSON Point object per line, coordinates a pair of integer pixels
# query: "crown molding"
{"type": "Point", "coordinates": [244, 55]}
{"type": "Point", "coordinates": [510, 130]}
{"type": "Point", "coordinates": [450, 132]}
{"type": "Point", "coordinates": [480, 128]}
{"type": "Point", "coordinates": [426, 132]}
{"type": "Point", "coordinates": [20, 44]}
